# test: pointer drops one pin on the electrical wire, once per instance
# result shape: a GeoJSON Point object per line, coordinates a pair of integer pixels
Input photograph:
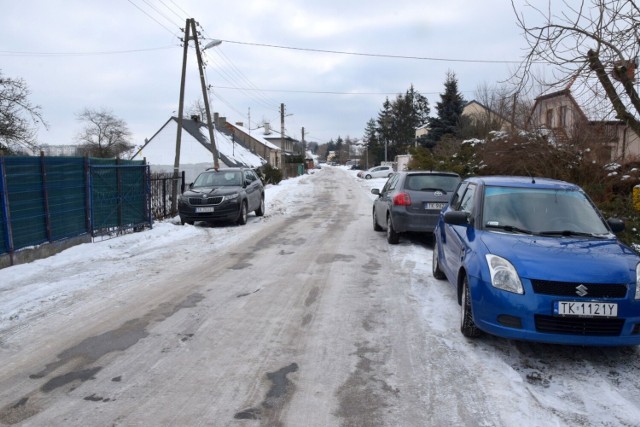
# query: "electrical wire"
{"type": "Point", "coordinates": [154, 19]}
{"type": "Point", "coordinates": [376, 55]}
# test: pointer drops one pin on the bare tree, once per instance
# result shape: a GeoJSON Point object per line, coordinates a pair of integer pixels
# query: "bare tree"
{"type": "Point", "coordinates": [18, 117]}
{"type": "Point", "coordinates": [104, 135]}
{"type": "Point", "coordinates": [592, 40]}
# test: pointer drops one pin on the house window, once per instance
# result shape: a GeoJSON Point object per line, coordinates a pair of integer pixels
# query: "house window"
{"type": "Point", "coordinates": [549, 121]}
{"type": "Point", "coordinates": [562, 116]}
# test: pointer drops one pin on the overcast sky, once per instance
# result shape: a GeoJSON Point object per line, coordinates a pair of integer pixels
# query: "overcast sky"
{"type": "Point", "coordinates": [125, 56]}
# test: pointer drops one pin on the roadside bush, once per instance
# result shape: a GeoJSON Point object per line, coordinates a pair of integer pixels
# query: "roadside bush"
{"type": "Point", "coordinates": [271, 175]}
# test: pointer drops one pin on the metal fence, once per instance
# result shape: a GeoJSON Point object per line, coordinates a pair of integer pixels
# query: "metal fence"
{"type": "Point", "coordinates": [47, 199]}
{"type": "Point", "coordinates": [161, 190]}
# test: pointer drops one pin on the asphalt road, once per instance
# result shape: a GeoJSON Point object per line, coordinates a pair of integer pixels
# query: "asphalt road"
{"type": "Point", "coordinates": [298, 323]}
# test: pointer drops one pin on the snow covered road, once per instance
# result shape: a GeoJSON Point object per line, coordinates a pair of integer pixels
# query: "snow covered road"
{"type": "Point", "coordinates": [304, 317]}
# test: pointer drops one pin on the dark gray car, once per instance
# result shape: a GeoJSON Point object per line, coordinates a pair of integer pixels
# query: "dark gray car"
{"type": "Point", "coordinates": [411, 201]}
{"type": "Point", "coordinates": [223, 195]}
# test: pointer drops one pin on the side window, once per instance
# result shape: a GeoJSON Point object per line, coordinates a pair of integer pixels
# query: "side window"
{"type": "Point", "coordinates": [390, 184]}
{"type": "Point", "coordinates": [248, 177]}
{"type": "Point", "coordinates": [466, 204]}
{"type": "Point", "coordinates": [457, 197]}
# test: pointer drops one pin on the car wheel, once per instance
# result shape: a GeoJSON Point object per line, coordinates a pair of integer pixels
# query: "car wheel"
{"type": "Point", "coordinates": [367, 176]}
{"type": "Point", "coordinates": [389, 176]}
{"type": "Point", "coordinates": [467, 325]}
{"type": "Point", "coordinates": [392, 237]}
{"type": "Point", "coordinates": [435, 265]}
{"type": "Point", "coordinates": [184, 221]}
{"type": "Point", "coordinates": [376, 226]}
{"type": "Point", "coordinates": [260, 210]}
{"type": "Point", "coordinates": [242, 219]}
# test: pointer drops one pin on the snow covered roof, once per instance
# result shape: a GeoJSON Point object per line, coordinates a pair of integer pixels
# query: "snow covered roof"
{"type": "Point", "coordinates": [255, 134]}
{"type": "Point", "coordinates": [195, 147]}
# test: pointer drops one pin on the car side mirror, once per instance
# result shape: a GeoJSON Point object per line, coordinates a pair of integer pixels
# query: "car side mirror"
{"type": "Point", "coordinates": [190, 185]}
{"type": "Point", "coordinates": [375, 191]}
{"type": "Point", "coordinates": [456, 218]}
{"type": "Point", "coordinates": [616, 224]}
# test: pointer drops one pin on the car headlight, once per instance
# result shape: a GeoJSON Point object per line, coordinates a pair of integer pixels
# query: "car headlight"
{"type": "Point", "coordinates": [230, 197]}
{"type": "Point", "coordinates": [503, 275]}
{"type": "Point", "coordinates": [638, 281]}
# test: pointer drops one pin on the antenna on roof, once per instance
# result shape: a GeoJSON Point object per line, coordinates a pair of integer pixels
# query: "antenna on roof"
{"type": "Point", "coordinates": [533, 179]}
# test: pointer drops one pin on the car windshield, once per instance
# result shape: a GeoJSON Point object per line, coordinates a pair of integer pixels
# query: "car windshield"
{"type": "Point", "coordinates": [218, 179]}
{"type": "Point", "coordinates": [431, 182]}
{"type": "Point", "coordinates": [541, 211]}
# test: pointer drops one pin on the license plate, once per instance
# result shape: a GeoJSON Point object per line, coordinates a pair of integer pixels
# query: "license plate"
{"type": "Point", "coordinates": [436, 206]}
{"type": "Point", "coordinates": [205, 209]}
{"type": "Point", "coordinates": [585, 309]}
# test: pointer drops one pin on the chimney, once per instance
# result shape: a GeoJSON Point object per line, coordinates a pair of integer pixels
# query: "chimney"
{"type": "Point", "coordinates": [195, 118]}
{"type": "Point", "coordinates": [240, 124]}
{"type": "Point", "coordinates": [267, 129]}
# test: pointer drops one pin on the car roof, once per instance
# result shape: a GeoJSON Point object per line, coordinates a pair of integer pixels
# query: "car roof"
{"type": "Point", "coordinates": [226, 169]}
{"type": "Point", "coordinates": [422, 172]}
{"type": "Point", "coordinates": [523, 182]}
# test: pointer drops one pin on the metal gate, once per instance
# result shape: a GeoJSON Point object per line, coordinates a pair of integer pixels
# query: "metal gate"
{"type": "Point", "coordinates": [120, 197]}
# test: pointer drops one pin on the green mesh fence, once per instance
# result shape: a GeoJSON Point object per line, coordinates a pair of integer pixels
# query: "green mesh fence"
{"type": "Point", "coordinates": [120, 194]}
{"type": "Point", "coordinates": [45, 199]}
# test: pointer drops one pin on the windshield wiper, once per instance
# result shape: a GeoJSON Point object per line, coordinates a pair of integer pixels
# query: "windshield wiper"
{"type": "Point", "coordinates": [569, 233]}
{"type": "Point", "coordinates": [510, 228]}
{"type": "Point", "coordinates": [433, 189]}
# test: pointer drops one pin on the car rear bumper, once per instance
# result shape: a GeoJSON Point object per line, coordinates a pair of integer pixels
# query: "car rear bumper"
{"type": "Point", "coordinates": [530, 317]}
{"type": "Point", "coordinates": [404, 221]}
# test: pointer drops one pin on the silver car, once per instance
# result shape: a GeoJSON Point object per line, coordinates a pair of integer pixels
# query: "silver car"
{"type": "Point", "coordinates": [411, 202]}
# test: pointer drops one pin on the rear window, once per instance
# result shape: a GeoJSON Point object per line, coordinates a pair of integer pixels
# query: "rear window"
{"type": "Point", "coordinates": [431, 182]}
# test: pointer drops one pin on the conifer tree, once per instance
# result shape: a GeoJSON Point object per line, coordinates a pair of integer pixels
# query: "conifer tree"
{"type": "Point", "coordinates": [449, 110]}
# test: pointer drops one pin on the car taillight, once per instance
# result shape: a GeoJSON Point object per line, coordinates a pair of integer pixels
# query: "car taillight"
{"type": "Point", "coordinates": [402, 199]}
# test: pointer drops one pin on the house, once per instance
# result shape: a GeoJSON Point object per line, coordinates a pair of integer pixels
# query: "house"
{"type": "Point", "coordinates": [195, 149]}
{"type": "Point", "coordinates": [479, 114]}
{"type": "Point", "coordinates": [590, 121]}
{"type": "Point", "coordinates": [286, 143]}
{"type": "Point", "coordinates": [250, 139]}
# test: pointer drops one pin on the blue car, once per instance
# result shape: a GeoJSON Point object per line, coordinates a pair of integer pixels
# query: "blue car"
{"type": "Point", "coordinates": [533, 259]}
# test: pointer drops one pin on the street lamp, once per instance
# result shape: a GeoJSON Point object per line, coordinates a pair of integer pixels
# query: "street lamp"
{"type": "Point", "coordinates": [212, 43]}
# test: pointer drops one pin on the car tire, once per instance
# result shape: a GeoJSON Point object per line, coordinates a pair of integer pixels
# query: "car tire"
{"type": "Point", "coordinates": [184, 221]}
{"type": "Point", "coordinates": [376, 226]}
{"type": "Point", "coordinates": [367, 176]}
{"type": "Point", "coordinates": [260, 210]}
{"type": "Point", "coordinates": [242, 218]}
{"type": "Point", "coordinates": [435, 265]}
{"type": "Point", "coordinates": [467, 325]}
{"type": "Point", "coordinates": [392, 237]}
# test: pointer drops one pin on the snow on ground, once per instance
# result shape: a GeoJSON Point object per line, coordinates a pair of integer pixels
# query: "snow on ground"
{"type": "Point", "coordinates": [553, 385]}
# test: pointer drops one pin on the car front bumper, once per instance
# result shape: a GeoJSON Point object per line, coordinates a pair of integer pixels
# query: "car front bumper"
{"type": "Point", "coordinates": [531, 317]}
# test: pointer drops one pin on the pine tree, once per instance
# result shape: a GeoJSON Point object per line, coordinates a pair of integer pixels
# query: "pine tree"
{"type": "Point", "coordinates": [449, 110]}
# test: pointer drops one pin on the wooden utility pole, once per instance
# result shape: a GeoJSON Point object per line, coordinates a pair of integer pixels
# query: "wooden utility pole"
{"type": "Point", "coordinates": [282, 127]}
{"type": "Point", "coordinates": [176, 162]}
{"type": "Point", "coordinates": [190, 33]}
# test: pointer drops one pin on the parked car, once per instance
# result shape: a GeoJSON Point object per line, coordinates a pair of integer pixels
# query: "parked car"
{"type": "Point", "coordinates": [533, 259]}
{"type": "Point", "coordinates": [223, 195]}
{"type": "Point", "coordinates": [376, 172]}
{"type": "Point", "coordinates": [412, 201]}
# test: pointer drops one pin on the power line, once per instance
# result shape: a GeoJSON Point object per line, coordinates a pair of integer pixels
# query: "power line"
{"type": "Point", "coordinates": [376, 55]}
{"type": "Point", "coordinates": [154, 19]}
{"type": "Point", "coordinates": [319, 92]}
{"type": "Point", "coordinates": [106, 52]}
